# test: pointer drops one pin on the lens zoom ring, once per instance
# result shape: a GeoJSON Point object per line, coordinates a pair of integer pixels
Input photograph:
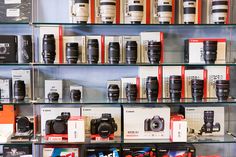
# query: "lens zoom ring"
{"type": "Point", "coordinates": [135, 8]}
{"type": "Point", "coordinates": [164, 8]}
{"type": "Point", "coordinates": [220, 3]}
{"type": "Point", "coordinates": [190, 10]}
{"type": "Point", "coordinates": [220, 11]}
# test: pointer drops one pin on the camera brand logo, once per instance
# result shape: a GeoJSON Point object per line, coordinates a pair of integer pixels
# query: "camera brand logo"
{"type": "Point", "coordinates": [86, 109]}
{"type": "Point", "coordinates": [130, 111]}
{"type": "Point", "coordinates": [68, 155]}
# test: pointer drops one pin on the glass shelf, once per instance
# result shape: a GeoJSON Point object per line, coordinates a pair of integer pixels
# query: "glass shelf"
{"type": "Point", "coordinates": [15, 23]}
{"type": "Point", "coordinates": [16, 64]}
{"type": "Point", "coordinates": [14, 102]}
{"type": "Point", "coordinates": [17, 143]}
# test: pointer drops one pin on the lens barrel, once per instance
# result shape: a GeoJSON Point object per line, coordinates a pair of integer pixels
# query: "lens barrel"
{"type": "Point", "coordinates": [131, 52]}
{"type": "Point", "coordinates": [197, 89]}
{"type": "Point", "coordinates": [219, 11]}
{"type": "Point", "coordinates": [19, 90]}
{"type": "Point", "coordinates": [75, 95]}
{"type": "Point", "coordinates": [154, 52]}
{"type": "Point", "coordinates": [49, 48]}
{"type": "Point", "coordinates": [53, 96]}
{"type": "Point", "coordinates": [152, 88]}
{"type": "Point", "coordinates": [222, 89]}
{"type": "Point", "coordinates": [210, 51]}
{"type": "Point", "coordinates": [175, 87]}
{"type": "Point", "coordinates": [131, 92]}
{"type": "Point", "coordinates": [93, 51]}
{"type": "Point", "coordinates": [189, 11]}
{"type": "Point", "coordinates": [114, 52]}
{"type": "Point", "coordinates": [72, 53]}
{"type": "Point", "coordinates": [113, 92]}
{"type": "Point", "coordinates": [81, 11]}
{"type": "Point", "coordinates": [164, 11]}
{"type": "Point", "coordinates": [136, 11]}
{"type": "Point", "coordinates": [108, 11]}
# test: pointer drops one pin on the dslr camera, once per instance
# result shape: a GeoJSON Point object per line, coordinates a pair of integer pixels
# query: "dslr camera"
{"type": "Point", "coordinates": [209, 126]}
{"type": "Point", "coordinates": [155, 124]}
{"type": "Point", "coordinates": [58, 125]}
{"type": "Point", "coordinates": [104, 126]}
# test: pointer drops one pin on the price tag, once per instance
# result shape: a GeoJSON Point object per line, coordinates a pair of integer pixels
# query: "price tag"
{"type": "Point", "coordinates": [13, 12]}
{"type": "Point", "coordinates": [12, 2]}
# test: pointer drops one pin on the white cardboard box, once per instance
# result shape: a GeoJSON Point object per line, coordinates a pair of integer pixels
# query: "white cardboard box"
{"type": "Point", "coordinates": [70, 152]}
{"type": "Point", "coordinates": [76, 129]}
{"type": "Point", "coordinates": [109, 39]}
{"type": "Point", "coordinates": [5, 87]}
{"type": "Point", "coordinates": [54, 86]}
{"type": "Point", "coordinates": [6, 130]}
{"type": "Point", "coordinates": [124, 82]}
{"type": "Point", "coordinates": [178, 130]}
{"type": "Point", "coordinates": [132, 38]}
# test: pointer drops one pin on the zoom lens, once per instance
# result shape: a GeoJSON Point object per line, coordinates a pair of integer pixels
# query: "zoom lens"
{"type": "Point", "coordinates": [81, 11]}
{"type": "Point", "coordinates": [175, 87]}
{"type": "Point", "coordinates": [19, 90]}
{"type": "Point", "coordinates": [189, 11]}
{"type": "Point", "coordinates": [114, 52]}
{"type": "Point", "coordinates": [222, 89]}
{"type": "Point", "coordinates": [93, 51]}
{"type": "Point", "coordinates": [219, 11]}
{"type": "Point", "coordinates": [72, 53]}
{"type": "Point", "coordinates": [154, 52]}
{"type": "Point", "coordinates": [113, 92]}
{"type": "Point", "coordinates": [210, 51]}
{"type": "Point", "coordinates": [49, 48]}
{"type": "Point", "coordinates": [197, 89]}
{"type": "Point", "coordinates": [108, 11]}
{"type": "Point", "coordinates": [75, 95]}
{"type": "Point", "coordinates": [131, 92]}
{"type": "Point", "coordinates": [53, 96]}
{"type": "Point", "coordinates": [131, 52]}
{"type": "Point", "coordinates": [164, 10]}
{"type": "Point", "coordinates": [152, 88]}
{"type": "Point", "coordinates": [135, 11]}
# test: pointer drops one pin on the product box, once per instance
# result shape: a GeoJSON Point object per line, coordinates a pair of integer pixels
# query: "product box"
{"type": "Point", "coordinates": [132, 38]}
{"type": "Point", "coordinates": [145, 72]}
{"type": "Point", "coordinates": [15, 10]}
{"type": "Point", "coordinates": [148, 151]}
{"type": "Point", "coordinates": [5, 135]}
{"type": "Point", "coordinates": [95, 112]}
{"type": "Point", "coordinates": [7, 114]}
{"type": "Point", "coordinates": [139, 122]}
{"type": "Point", "coordinates": [194, 52]}
{"type": "Point", "coordinates": [101, 47]}
{"type": "Point", "coordinates": [53, 113]}
{"type": "Point", "coordinates": [116, 82]}
{"type": "Point", "coordinates": [151, 36]}
{"type": "Point", "coordinates": [5, 88]}
{"type": "Point", "coordinates": [82, 49]}
{"type": "Point", "coordinates": [76, 130]}
{"type": "Point", "coordinates": [200, 119]}
{"type": "Point", "coordinates": [102, 152]}
{"type": "Point", "coordinates": [125, 81]}
{"type": "Point", "coordinates": [25, 47]}
{"type": "Point", "coordinates": [24, 75]}
{"type": "Point", "coordinates": [17, 151]}
{"type": "Point", "coordinates": [8, 52]}
{"type": "Point", "coordinates": [178, 128]}
{"type": "Point", "coordinates": [77, 88]}
{"type": "Point", "coordinates": [54, 86]}
{"type": "Point", "coordinates": [213, 74]}
{"type": "Point", "coordinates": [109, 39]}
{"type": "Point", "coordinates": [54, 152]}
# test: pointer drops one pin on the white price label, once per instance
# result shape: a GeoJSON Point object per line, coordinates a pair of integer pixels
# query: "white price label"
{"type": "Point", "coordinates": [12, 2]}
{"type": "Point", "coordinates": [13, 12]}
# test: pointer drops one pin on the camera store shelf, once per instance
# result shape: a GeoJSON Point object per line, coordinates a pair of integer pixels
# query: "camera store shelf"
{"type": "Point", "coordinates": [16, 64]}
{"type": "Point", "coordinates": [17, 143]}
{"type": "Point", "coordinates": [14, 102]}
{"type": "Point", "coordinates": [15, 23]}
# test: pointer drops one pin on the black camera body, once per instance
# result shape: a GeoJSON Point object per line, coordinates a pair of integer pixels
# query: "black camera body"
{"type": "Point", "coordinates": [104, 126]}
{"type": "Point", "coordinates": [209, 126]}
{"type": "Point", "coordinates": [58, 125]}
{"type": "Point", "coordinates": [24, 124]}
{"type": "Point", "coordinates": [156, 124]}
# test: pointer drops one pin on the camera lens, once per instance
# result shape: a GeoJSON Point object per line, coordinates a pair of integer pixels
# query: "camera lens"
{"type": "Point", "coordinates": [135, 11]}
{"type": "Point", "coordinates": [108, 11]}
{"type": "Point", "coordinates": [131, 92]}
{"type": "Point", "coordinates": [219, 11]}
{"type": "Point", "coordinates": [53, 96]}
{"type": "Point", "coordinates": [197, 89]}
{"type": "Point", "coordinates": [49, 48]}
{"type": "Point", "coordinates": [156, 125]}
{"type": "Point", "coordinates": [75, 95]}
{"type": "Point", "coordinates": [113, 92]}
{"type": "Point", "coordinates": [72, 53]}
{"type": "Point", "coordinates": [175, 87]}
{"type": "Point", "coordinates": [209, 117]}
{"type": "Point", "coordinates": [210, 51]}
{"type": "Point", "coordinates": [19, 90]}
{"type": "Point", "coordinates": [152, 88]}
{"type": "Point", "coordinates": [114, 52]}
{"type": "Point", "coordinates": [81, 11]}
{"type": "Point", "coordinates": [189, 11]}
{"type": "Point", "coordinates": [154, 52]}
{"type": "Point", "coordinates": [93, 51]}
{"type": "Point", "coordinates": [164, 10]}
{"type": "Point", "coordinates": [131, 52]}
{"type": "Point", "coordinates": [222, 89]}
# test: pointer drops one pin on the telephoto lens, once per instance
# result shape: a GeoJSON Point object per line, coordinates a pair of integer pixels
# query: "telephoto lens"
{"type": "Point", "coordinates": [210, 51]}
{"type": "Point", "coordinates": [219, 11]}
{"type": "Point", "coordinates": [72, 53]}
{"type": "Point", "coordinates": [53, 96]}
{"type": "Point", "coordinates": [154, 52]}
{"type": "Point", "coordinates": [135, 11]}
{"type": "Point", "coordinates": [164, 10]}
{"type": "Point", "coordinates": [81, 11]}
{"type": "Point", "coordinates": [49, 48]}
{"type": "Point", "coordinates": [197, 89]}
{"type": "Point", "coordinates": [19, 90]}
{"type": "Point", "coordinates": [131, 52]}
{"type": "Point", "coordinates": [175, 87]}
{"type": "Point", "coordinates": [113, 92]}
{"type": "Point", "coordinates": [75, 95]}
{"type": "Point", "coordinates": [114, 52]}
{"type": "Point", "coordinates": [107, 11]}
{"type": "Point", "coordinates": [131, 92]}
{"type": "Point", "coordinates": [152, 88]}
{"type": "Point", "coordinates": [93, 51]}
{"type": "Point", "coordinates": [189, 11]}
{"type": "Point", "coordinates": [222, 89]}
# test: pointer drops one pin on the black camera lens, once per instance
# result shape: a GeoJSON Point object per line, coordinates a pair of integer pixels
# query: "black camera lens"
{"type": "Point", "coordinates": [152, 88]}
{"type": "Point", "coordinates": [75, 95]}
{"type": "Point", "coordinates": [131, 92]}
{"type": "Point", "coordinates": [175, 87]}
{"type": "Point", "coordinates": [131, 52]}
{"type": "Point", "coordinates": [114, 52]}
{"type": "Point", "coordinates": [72, 53]}
{"type": "Point", "coordinates": [197, 89]}
{"type": "Point", "coordinates": [222, 89]}
{"type": "Point", "coordinates": [113, 92]}
{"type": "Point", "coordinates": [49, 48]}
{"type": "Point", "coordinates": [154, 52]}
{"type": "Point", "coordinates": [19, 90]}
{"type": "Point", "coordinates": [53, 96]}
{"type": "Point", "coordinates": [210, 51]}
{"type": "Point", "coordinates": [93, 51]}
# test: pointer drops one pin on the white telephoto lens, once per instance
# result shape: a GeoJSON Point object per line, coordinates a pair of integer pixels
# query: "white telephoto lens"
{"type": "Point", "coordinates": [189, 11]}
{"type": "Point", "coordinates": [81, 11]}
{"type": "Point", "coordinates": [164, 9]}
{"type": "Point", "coordinates": [219, 11]}
{"type": "Point", "coordinates": [135, 11]}
{"type": "Point", "coordinates": [108, 11]}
